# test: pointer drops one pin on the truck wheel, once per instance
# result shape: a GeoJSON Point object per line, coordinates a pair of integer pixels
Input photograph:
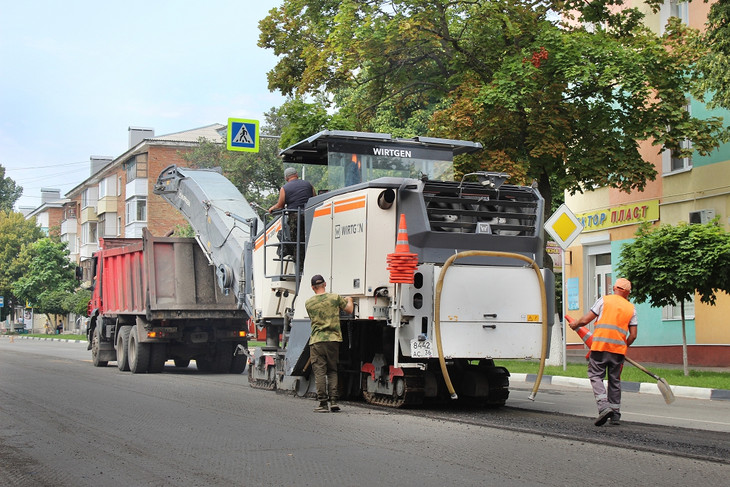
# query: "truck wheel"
{"type": "Point", "coordinates": [182, 362]}
{"type": "Point", "coordinates": [204, 365]}
{"type": "Point", "coordinates": [238, 365]}
{"type": "Point", "coordinates": [223, 358]}
{"type": "Point", "coordinates": [122, 348]}
{"type": "Point", "coordinates": [95, 349]}
{"type": "Point", "coordinates": [158, 357]}
{"type": "Point", "coordinates": [139, 353]}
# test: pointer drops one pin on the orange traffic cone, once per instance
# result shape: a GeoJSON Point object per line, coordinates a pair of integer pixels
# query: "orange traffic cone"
{"type": "Point", "coordinates": [584, 334]}
{"type": "Point", "coordinates": [402, 263]}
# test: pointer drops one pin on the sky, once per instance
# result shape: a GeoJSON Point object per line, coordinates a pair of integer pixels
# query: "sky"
{"type": "Point", "coordinates": [76, 74]}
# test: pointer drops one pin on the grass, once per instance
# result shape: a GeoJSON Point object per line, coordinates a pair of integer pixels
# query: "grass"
{"type": "Point", "coordinates": [675, 376]}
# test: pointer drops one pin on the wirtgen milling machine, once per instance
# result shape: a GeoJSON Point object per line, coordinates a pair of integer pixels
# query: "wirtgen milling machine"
{"type": "Point", "coordinates": [446, 275]}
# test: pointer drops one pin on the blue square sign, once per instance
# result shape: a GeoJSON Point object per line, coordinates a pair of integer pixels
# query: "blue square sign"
{"type": "Point", "coordinates": [243, 135]}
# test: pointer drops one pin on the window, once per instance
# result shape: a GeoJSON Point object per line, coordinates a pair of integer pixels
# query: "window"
{"type": "Point", "coordinates": [671, 162]}
{"type": "Point", "coordinates": [674, 312]}
{"type": "Point", "coordinates": [136, 210]}
{"type": "Point", "coordinates": [681, 163]}
{"type": "Point", "coordinates": [680, 10]}
{"type": "Point", "coordinates": [88, 233]}
{"type": "Point", "coordinates": [136, 167]}
{"type": "Point", "coordinates": [106, 225]}
{"type": "Point", "coordinates": [107, 187]}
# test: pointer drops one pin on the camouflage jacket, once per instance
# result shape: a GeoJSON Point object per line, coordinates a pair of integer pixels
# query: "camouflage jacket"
{"type": "Point", "coordinates": [324, 312]}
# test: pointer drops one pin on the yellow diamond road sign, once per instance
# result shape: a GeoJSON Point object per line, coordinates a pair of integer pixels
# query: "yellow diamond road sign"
{"type": "Point", "coordinates": [563, 226]}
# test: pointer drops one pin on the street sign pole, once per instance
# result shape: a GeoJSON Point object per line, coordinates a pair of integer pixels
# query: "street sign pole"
{"type": "Point", "coordinates": [564, 227]}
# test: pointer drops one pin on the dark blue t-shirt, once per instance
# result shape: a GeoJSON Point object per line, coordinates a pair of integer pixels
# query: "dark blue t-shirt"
{"type": "Point", "coordinates": [297, 192]}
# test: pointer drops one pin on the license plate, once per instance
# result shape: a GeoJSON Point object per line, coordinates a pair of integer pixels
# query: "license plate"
{"type": "Point", "coordinates": [421, 349]}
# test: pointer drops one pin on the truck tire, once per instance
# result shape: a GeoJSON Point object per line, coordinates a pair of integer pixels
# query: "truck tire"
{"type": "Point", "coordinates": [204, 365]}
{"type": "Point", "coordinates": [182, 363]}
{"type": "Point", "coordinates": [96, 338]}
{"type": "Point", "coordinates": [123, 348]}
{"type": "Point", "coordinates": [238, 364]}
{"type": "Point", "coordinates": [223, 358]}
{"type": "Point", "coordinates": [139, 353]}
{"type": "Point", "coordinates": [158, 357]}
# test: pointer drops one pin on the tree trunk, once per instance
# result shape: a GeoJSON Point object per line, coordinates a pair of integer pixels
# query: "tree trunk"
{"type": "Point", "coordinates": [684, 341]}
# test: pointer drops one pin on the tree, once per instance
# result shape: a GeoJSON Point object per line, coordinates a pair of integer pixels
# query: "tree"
{"type": "Point", "coordinates": [667, 265]}
{"type": "Point", "coordinates": [78, 302]}
{"type": "Point", "coordinates": [564, 103]}
{"type": "Point", "coordinates": [712, 68]}
{"type": "Point", "coordinates": [49, 276]}
{"type": "Point", "coordinates": [9, 192]}
{"type": "Point", "coordinates": [15, 233]}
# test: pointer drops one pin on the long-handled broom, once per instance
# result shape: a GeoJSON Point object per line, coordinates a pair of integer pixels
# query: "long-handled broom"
{"type": "Point", "coordinates": [662, 384]}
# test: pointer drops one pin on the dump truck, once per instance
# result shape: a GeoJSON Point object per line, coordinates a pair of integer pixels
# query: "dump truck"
{"type": "Point", "coordinates": [475, 288]}
{"type": "Point", "coordinates": [156, 299]}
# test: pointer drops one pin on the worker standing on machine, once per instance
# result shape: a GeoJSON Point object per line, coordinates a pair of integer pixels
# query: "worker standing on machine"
{"type": "Point", "coordinates": [324, 344]}
{"type": "Point", "coordinates": [294, 195]}
{"type": "Point", "coordinates": [614, 332]}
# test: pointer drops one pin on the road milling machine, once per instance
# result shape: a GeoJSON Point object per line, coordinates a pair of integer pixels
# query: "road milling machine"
{"type": "Point", "coordinates": [446, 274]}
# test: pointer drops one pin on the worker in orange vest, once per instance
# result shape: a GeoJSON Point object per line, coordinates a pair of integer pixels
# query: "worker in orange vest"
{"type": "Point", "coordinates": [614, 332]}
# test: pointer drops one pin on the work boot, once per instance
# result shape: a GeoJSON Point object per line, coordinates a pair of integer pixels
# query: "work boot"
{"type": "Point", "coordinates": [322, 408]}
{"type": "Point", "coordinates": [334, 407]}
{"type": "Point", "coordinates": [603, 416]}
{"type": "Point", "coordinates": [615, 419]}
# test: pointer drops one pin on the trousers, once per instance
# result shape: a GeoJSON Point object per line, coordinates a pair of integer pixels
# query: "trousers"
{"type": "Point", "coordinates": [324, 357]}
{"type": "Point", "coordinates": [606, 365]}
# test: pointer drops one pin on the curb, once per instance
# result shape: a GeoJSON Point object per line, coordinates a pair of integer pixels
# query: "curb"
{"type": "Point", "coordinates": [640, 387]}
{"type": "Point", "coordinates": [68, 340]}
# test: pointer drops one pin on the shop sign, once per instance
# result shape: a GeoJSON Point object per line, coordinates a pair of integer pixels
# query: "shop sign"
{"type": "Point", "coordinates": [619, 216]}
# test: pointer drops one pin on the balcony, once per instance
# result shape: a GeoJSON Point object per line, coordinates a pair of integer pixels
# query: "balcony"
{"type": "Point", "coordinates": [88, 214]}
{"type": "Point", "coordinates": [108, 204]}
{"type": "Point", "coordinates": [69, 226]}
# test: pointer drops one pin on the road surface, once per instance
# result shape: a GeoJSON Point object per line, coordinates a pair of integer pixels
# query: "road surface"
{"type": "Point", "coordinates": [67, 423]}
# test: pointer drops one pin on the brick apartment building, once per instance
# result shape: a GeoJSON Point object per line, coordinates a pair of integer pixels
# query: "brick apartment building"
{"type": "Point", "coordinates": [117, 200]}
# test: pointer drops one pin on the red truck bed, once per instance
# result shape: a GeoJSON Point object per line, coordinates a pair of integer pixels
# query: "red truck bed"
{"type": "Point", "coordinates": [162, 278]}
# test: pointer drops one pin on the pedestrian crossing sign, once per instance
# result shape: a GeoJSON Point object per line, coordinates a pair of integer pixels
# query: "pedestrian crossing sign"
{"type": "Point", "coordinates": [243, 135]}
{"type": "Point", "coordinates": [563, 226]}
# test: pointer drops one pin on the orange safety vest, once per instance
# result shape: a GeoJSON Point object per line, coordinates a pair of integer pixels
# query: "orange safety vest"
{"type": "Point", "coordinates": [612, 327]}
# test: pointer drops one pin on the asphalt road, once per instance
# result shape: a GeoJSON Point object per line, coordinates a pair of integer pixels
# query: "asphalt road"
{"type": "Point", "coordinates": [64, 422]}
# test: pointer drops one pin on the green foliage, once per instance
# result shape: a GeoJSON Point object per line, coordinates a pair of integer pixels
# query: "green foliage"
{"type": "Point", "coordinates": [304, 119]}
{"type": "Point", "coordinates": [183, 231]}
{"type": "Point", "coordinates": [713, 68]}
{"type": "Point", "coordinates": [15, 233]}
{"type": "Point", "coordinates": [551, 101]}
{"type": "Point", "coordinates": [52, 302]}
{"type": "Point", "coordinates": [48, 278]}
{"type": "Point", "coordinates": [696, 378]}
{"type": "Point", "coordinates": [669, 264]}
{"type": "Point", "coordinates": [9, 192]}
{"type": "Point", "coordinates": [78, 302]}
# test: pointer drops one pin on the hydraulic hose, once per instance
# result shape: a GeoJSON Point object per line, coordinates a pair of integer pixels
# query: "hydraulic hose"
{"type": "Point", "coordinates": [437, 311]}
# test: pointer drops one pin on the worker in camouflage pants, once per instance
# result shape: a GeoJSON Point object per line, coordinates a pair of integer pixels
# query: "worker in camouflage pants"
{"type": "Point", "coordinates": [324, 344]}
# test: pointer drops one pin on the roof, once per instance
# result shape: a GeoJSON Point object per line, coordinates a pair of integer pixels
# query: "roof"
{"type": "Point", "coordinates": [313, 150]}
{"type": "Point", "coordinates": [211, 132]}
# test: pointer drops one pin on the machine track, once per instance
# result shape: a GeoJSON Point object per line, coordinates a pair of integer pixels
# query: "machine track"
{"type": "Point", "coordinates": [267, 384]}
{"type": "Point", "coordinates": [412, 395]}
